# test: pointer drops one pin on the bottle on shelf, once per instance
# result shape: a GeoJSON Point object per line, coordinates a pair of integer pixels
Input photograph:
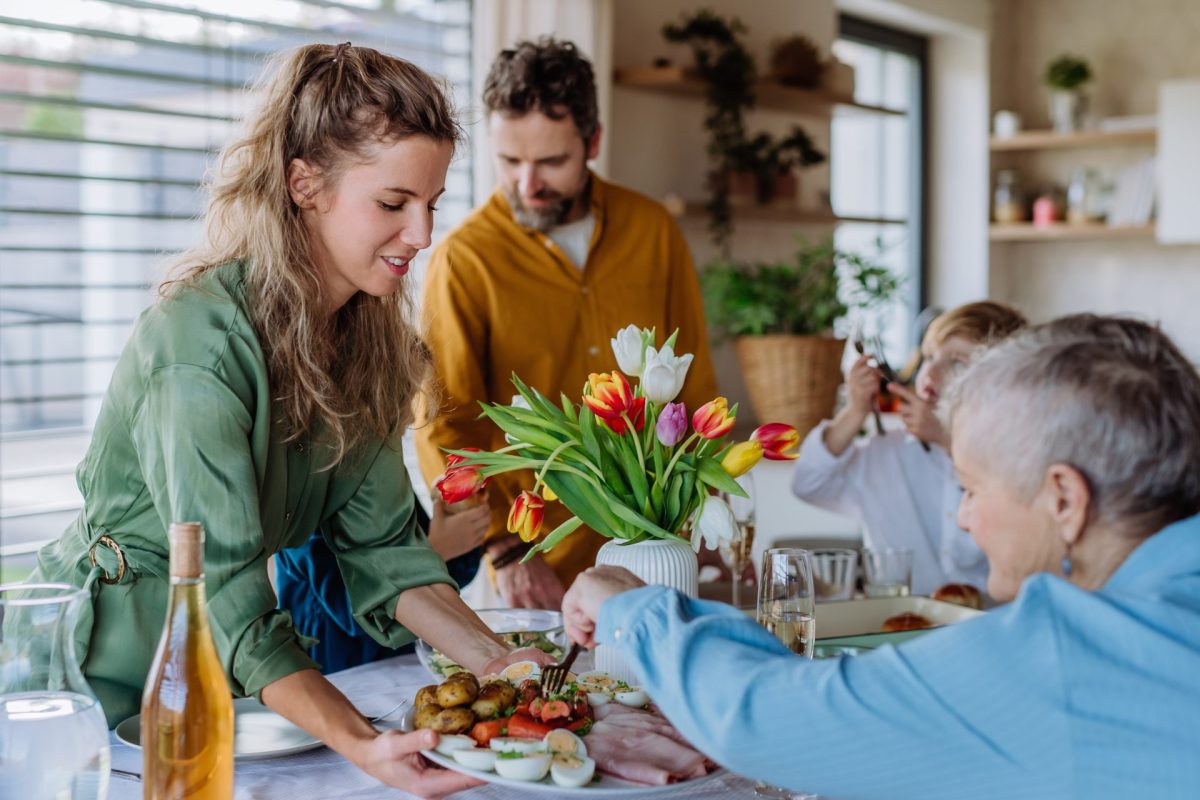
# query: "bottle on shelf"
{"type": "Point", "coordinates": [1008, 205]}
{"type": "Point", "coordinates": [187, 709]}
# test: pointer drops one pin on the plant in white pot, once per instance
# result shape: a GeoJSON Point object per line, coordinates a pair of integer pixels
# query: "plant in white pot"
{"type": "Point", "coordinates": [1066, 76]}
{"type": "Point", "coordinates": [782, 317]}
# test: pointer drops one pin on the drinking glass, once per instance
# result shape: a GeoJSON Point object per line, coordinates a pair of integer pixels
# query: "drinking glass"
{"type": "Point", "coordinates": [53, 737]}
{"type": "Point", "coordinates": [834, 572]}
{"type": "Point", "coordinates": [887, 571]}
{"type": "Point", "coordinates": [786, 595]}
{"type": "Point", "coordinates": [737, 553]}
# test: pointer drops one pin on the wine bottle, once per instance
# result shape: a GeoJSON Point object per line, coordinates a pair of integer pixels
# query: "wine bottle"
{"type": "Point", "coordinates": [187, 709]}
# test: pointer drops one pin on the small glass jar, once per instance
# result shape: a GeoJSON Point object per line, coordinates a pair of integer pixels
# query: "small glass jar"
{"type": "Point", "coordinates": [1008, 205]}
{"type": "Point", "coordinates": [1080, 200]}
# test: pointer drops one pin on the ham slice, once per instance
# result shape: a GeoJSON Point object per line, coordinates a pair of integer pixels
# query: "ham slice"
{"type": "Point", "coordinates": [642, 747]}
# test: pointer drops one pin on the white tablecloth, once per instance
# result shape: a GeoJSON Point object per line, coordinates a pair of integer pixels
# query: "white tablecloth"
{"type": "Point", "coordinates": [322, 773]}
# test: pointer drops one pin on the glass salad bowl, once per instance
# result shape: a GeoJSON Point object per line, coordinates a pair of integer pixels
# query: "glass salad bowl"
{"type": "Point", "coordinates": [518, 627]}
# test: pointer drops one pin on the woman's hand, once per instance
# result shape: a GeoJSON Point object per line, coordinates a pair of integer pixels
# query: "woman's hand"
{"type": "Point", "coordinates": [919, 417]}
{"type": "Point", "coordinates": [530, 584]}
{"type": "Point", "coordinates": [452, 533]}
{"type": "Point", "coordinates": [395, 759]}
{"type": "Point", "coordinates": [497, 664]}
{"type": "Point", "coordinates": [581, 605]}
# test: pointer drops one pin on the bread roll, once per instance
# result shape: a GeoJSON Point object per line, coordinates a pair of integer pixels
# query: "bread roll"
{"type": "Point", "coordinates": [964, 594]}
{"type": "Point", "coordinates": [907, 621]}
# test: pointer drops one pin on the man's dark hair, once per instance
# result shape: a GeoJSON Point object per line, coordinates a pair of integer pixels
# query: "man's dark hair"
{"type": "Point", "coordinates": [549, 76]}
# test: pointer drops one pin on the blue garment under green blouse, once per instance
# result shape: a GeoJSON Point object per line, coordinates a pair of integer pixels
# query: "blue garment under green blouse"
{"type": "Point", "coordinates": [1063, 693]}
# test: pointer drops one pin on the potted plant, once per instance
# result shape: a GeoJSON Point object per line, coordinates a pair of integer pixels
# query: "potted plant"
{"type": "Point", "coordinates": [729, 73]}
{"type": "Point", "coordinates": [1065, 76]}
{"type": "Point", "coordinates": [762, 170]}
{"type": "Point", "coordinates": [783, 316]}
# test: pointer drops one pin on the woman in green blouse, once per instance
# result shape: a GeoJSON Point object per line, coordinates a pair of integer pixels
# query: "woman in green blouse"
{"type": "Point", "coordinates": [264, 396]}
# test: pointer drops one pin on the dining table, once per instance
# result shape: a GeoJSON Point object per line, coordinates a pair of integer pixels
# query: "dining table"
{"type": "Point", "coordinates": [321, 773]}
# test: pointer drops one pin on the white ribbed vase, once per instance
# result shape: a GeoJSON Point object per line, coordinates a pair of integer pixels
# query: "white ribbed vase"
{"type": "Point", "coordinates": [661, 561]}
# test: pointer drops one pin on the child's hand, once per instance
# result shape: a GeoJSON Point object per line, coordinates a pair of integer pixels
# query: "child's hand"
{"type": "Point", "coordinates": [452, 534]}
{"type": "Point", "coordinates": [919, 417]}
{"type": "Point", "coordinates": [862, 385]}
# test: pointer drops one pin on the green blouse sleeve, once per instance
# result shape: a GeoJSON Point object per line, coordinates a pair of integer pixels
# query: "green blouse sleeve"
{"type": "Point", "coordinates": [380, 546]}
{"type": "Point", "coordinates": [193, 436]}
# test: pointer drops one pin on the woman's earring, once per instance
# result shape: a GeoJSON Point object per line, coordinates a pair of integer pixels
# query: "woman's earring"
{"type": "Point", "coordinates": [1066, 564]}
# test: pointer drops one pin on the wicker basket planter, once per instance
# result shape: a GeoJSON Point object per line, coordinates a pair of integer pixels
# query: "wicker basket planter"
{"type": "Point", "coordinates": [792, 379]}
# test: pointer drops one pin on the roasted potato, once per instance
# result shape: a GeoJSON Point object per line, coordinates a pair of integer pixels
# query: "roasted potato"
{"type": "Point", "coordinates": [426, 715]}
{"type": "Point", "coordinates": [426, 695]}
{"type": "Point", "coordinates": [457, 692]}
{"type": "Point", "coordinates": [453, 720]}
{"type": "Point", "coordinates": [492, 699]}
{"type": "Point", "coordinates": [466, 677]}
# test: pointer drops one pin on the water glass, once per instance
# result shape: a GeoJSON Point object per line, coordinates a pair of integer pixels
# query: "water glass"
{"type": "Point", "coordinates": [887, 571]}
{"type": "Point", "coordinates": [736, 553]}
{"type": "Point", "coordinates": [834, 572]}
{"type": "Point", "coordinates": [786, 597]}
{"type": "Point", "coordinates": [53, 736]}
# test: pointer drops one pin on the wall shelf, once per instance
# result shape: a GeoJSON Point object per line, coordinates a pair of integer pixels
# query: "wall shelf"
{"type": "Point", "coordinates": [771, 95]}
{"type": "Point", "coordinates": [784, 213]}
{"type": "Point", "coordinates": [1052, 140]}
{"type": "Point", "coordinates": [1026, 232]}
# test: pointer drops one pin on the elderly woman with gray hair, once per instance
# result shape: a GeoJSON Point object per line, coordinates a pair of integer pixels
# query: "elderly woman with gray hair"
{"type": "Point", "coordinates": [1078, 446]}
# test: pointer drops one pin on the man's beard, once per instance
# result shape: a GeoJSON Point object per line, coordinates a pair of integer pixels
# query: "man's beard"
{"type": "Point", "coordinates": [544, 218]}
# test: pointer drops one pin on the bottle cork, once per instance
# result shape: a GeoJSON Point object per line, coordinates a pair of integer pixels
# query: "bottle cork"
{"type": "Point", "coordinates": [187, 549]}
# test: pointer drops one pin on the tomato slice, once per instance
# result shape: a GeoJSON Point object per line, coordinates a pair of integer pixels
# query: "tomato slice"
{"type": "Point", "coordinates": [525, 727]}
{"type": "Point", "coordinates": [553, 709]}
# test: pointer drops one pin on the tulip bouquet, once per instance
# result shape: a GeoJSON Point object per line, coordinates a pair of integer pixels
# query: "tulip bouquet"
{"type": "Point", "coordinates": [622, 461]}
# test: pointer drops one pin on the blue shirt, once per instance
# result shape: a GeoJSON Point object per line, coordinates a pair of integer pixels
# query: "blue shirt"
{"type": "Point", "coordinates": [1062, 693]}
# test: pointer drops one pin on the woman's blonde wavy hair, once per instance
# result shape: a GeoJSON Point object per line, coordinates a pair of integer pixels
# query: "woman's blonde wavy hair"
{"type": "Point", "coordinates": [354, 376]}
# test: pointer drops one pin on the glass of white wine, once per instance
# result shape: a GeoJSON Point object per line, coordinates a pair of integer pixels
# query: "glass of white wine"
{"type": "Point", "coordinates": [736, 552]}
{"type": "Point", "coordinates": [786, 597]}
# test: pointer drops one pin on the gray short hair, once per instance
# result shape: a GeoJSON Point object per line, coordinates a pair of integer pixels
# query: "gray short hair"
{"type": "Point", "coordinates": [1112, 397]}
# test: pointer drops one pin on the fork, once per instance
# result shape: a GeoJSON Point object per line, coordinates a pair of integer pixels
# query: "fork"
{"type": "Point", "coordinates": [555, 675]}
{"type": "Point", "coordinates": [858, 348]}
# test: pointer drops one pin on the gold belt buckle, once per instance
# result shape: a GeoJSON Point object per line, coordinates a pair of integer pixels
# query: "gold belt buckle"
{"type": "Point", "coordinates": [111, 544]}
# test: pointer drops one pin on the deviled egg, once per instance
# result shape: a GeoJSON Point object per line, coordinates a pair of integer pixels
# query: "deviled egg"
{"type": "Point", "coordinates": [532, 767]}
{"type": "Point", "coordinates": [572, 771]}
{"type": "Point", "coordinates": [522, 671]}
{"type": "Point", "coordinates": [631, 696]}
{"type": "Point", "coordinates": [478, 758]}
{"type": "Point", "coordinates": [513, 744]}
{"type": "Point", "coordinates": [564, 742]}
{"type": "Point", "coordinates": [449, 742]}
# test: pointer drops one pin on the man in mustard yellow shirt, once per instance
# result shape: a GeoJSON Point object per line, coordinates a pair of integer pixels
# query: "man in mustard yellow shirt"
{"type": "Point", "coordinates": [538, 280]}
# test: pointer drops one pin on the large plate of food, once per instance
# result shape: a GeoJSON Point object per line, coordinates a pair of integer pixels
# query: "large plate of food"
{"type": "Point", "coordinates": [597, 737]}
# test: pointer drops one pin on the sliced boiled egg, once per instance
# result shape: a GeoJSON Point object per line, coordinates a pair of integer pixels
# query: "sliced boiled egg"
{"type": "Point", "coordinates": [449, 742]}
{"type": "Point", "coordinates": [476, 758]}
{"type": "Point", "coordinates": [521, 671]}
{"type": "Point", "coordinates": [513, 744]}
{"type": "Point", "coordinates": [632, 696]}
{"type": "Point", "coordinates": [564, 742]}
{"type": "Point", "coordinates": [599, 698]}
{"type": "Point", "coordinates": [572, 771]}
{"type": "Point", "coordinates": [596, 681]}
{"type": "Point", "coordinates": [532, 767]}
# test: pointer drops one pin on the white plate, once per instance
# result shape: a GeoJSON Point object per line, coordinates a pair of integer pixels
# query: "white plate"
{"type": "Point", "coordinates": [856, 617]}
{"type": "Point", "coordinates": [258, 732]}
{"type": "Point", "coordinates": [607, 786]}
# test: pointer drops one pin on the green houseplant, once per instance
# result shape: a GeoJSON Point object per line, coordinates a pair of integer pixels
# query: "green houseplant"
{"type": "Point", "coordinates": [782, 317]}
{"type": "Point", "coordinates": [1066, 76]}
{"type": "Point", "coordinates": [762, 168]}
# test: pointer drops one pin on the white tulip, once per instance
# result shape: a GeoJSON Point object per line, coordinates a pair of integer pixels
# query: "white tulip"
{"type": "Point", "coordinates": [665, 374]}
{"type": "Point", "coordinates": [714, 522]}
{"type": "Point", "coordinates": [628, 347]}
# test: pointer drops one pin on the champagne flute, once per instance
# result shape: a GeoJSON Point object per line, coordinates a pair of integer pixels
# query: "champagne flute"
{"type": "Point", "coordinates": [786, 597]}
{"type": "Point", "coordinates": [736, 553]}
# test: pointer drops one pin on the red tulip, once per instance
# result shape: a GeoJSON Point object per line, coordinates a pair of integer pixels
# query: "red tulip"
{"type": "Point", "coordinates": [779, 442]}
{"type": "Point", "coordinates": [713, 420]}
{"type": "Point", "coordinates": [453, 460]}
{"type": "Point", "coordinates": [525, 517]}
{"type": "Point", "coordinates": [610, 397]}
{"type": "Point", "coordinates": [460, 481]}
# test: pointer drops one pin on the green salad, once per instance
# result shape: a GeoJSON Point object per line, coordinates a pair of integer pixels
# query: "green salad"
{"type": "Point", "coordinates": [445, 667]}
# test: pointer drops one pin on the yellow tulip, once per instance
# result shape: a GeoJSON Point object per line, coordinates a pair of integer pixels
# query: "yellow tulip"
{"type": "Point", "coordinates": [741, 457]}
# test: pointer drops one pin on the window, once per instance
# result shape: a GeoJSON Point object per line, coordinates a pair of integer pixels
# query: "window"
{"type": "Point", "coordinates": [885, 177]}
{"type": "Point", "coordinates": [110, 113]}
